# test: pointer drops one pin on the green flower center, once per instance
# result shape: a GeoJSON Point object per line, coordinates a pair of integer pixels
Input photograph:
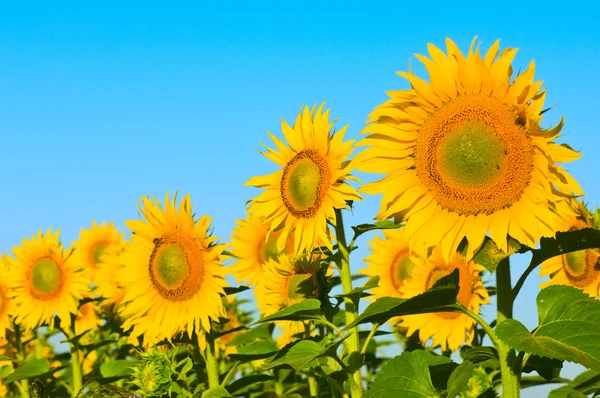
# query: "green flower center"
{"type": "Point", "coordinates": [576, 262]}
{"type": "Point", "coordinates": [267, 250]}
{"type": "Point", "coordinates": [472, 156]}
{"type": "Point", "coordinates": [301, 286]}
{"type": "Point", "coordinates": [401, 268]}
{"type": "Point", "coordinates": [171, 265]}
{"type": "Point", "coordinates": [46, 277]}
{"type": "Point", "coordinates": [97, 253]}
{"type": "Point", "coordinates": [303, 182]}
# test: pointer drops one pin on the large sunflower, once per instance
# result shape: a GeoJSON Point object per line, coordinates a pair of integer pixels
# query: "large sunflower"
{"type": "Point", "coordinates": [93, 243]}
{"type": "Point", "coordinates": [253, 245]}
{"type": "Point", "coordinates": [464, 154]}
{"type": "Point", "coordinates": [172, 274]}
{"type": "Point", "coordinates": [448, 329]}
{"type": "Point", "coordinates": [581, 268]}
{"type": "Point", "coordinates": [392, 261]}
{"type": "Point", "coordinates": [44, 281]}
{"type": "Point", "coordinates": [302, 195]}
{"type": "Point", "coordinates": [5, 300]}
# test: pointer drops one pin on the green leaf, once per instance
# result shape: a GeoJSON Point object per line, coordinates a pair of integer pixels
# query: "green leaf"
{"type": "Point", "coordinates": [440, 298]}
{"type": "Point", "coordinates": [566, 392]}
{"type": "Point", "coordinates": [568, 328]}
{"type": "Point", "coordinates": [385, 224]}
{"type": "Point", "coordinates": [216, 392]}
{"type": "Point", "coordinates": [548, 368]}
{"type": "Point", "coordinates": [29, 369]}
{"type": "Point", "coordinates": [406, 375]}
{"type": "Point", "coordinates": [359, 292]}
{"type": "Point", "coordinates": [5, 358]}
{"type": "Point", "coordinates": [260, 332]}
{"type": "Point", "coordinates": [586, 383]}
{"type": "Point", "coordinates": [242, 385]}
{"type": "Point", "coordinates": [5, 371]}
{"type": "Point", "coordinates": [117, 368]}
{"type": "Point", "coordinates": [307, 309]}
{"type": "Point", "coordinates": [489, 255]}
{"type": "Point", "coordinates": [259, 349]}
{"type": "Point", "coordinates": [229, 291]}
{"type": "Point", "coordinates": [479, 354]}
{"type": "Point", "coordinates": [459, 379]}
{"type": "Point", "coordinates": [566, 242]}
{"type": "Point", "coordinates": [297, 355]}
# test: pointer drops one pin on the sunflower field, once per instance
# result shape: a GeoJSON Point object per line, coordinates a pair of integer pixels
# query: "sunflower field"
{"type": "Point", "coordinates": [465, 177]}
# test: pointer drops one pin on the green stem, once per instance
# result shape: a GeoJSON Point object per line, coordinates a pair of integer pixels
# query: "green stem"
{"type": "Point", "coordinates": [351, 310]}
{"type": "Point", "coordinates": [484, 325]}
{"type": "Point", "coordinates": [211, 362]}
{"type": "Point", "coordinates": [23, 385]}
{"type": "Point", "coordinates": [76, 370]}
{"type": "Point", "coordinates": [313, 388]}
{"type": "Point", "coordinates": [510, 378]}
{"type": "Point", "coordinates": [369, 337]}
{"type": "Point", "coordinates": [230, 374]}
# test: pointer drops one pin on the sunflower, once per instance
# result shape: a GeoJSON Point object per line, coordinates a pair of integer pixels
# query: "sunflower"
{"type": "Point", "coordinates": [301, 196]}
{"type": "Point", "coordinates": [172, 274]}
{"type": "Point", "coordinates": [87, 318]}
{"type": "Point", "coordinates": [448, 329]}
{"type": "Point", "coordinates": [5, 300]}
{"type": "Point", "coordinates": [580, 269]}
{"type": "Point", "coordinates": [464, 154]}
{"type": "Point", "coordinates": [392, 261]}
{"type": "Point", "coordinates": [44, 281]}
{"type": "Point", "coordinates": [107, 269]}
{"type": "Point", "coordinates": [252, 245]}
{"type": "Point", "coordinates": [93, 243]}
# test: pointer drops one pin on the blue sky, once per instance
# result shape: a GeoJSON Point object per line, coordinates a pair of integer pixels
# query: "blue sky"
{"type": "Point", "coordinates": [104, 102]}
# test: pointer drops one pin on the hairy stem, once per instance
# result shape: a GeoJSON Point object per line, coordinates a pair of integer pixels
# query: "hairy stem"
{"type": "Point", "coordinates": [211, 362]}
{"type": "Point", "coordinates": [351, 310]}
{"type": "Point", "coordinates": [23, 385]}
{"type": "Point", "coordinates": [369, 337]}
{"type": "Point", "coordinates": [510, 377]}
{"type": "Point", "coordinates": [76, 370]}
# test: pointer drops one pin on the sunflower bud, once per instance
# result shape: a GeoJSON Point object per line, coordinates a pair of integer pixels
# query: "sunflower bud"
{"type": "Point", "coordinates": [152, 374]}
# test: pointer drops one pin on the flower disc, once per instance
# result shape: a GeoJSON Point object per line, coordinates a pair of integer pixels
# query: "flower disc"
{"type": "Point", "coordinates": [44, 280]}
{"type": "Point", "coordinates": [448, 329]}
{"type": "Point", "coordinates": [172, 274]}
{"type": "Point", "coordinates": [302, 196]}
{"type": "Point", "coordinates": [464, 155]}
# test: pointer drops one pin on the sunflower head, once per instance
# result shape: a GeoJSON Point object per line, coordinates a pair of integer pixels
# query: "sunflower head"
{"type": "Point", "coordinates": [310, 184]}
{"type": "Point", "coordinates": [448, 329]}
{"type": "Point", "coordinates": [172, 274]}
{"type": "Point", "coordinates": [464, 154]}
{"type": "Point", "coordinates": [5, 300]}
{"type": "Point", "coordinates": [92, 244]}
{"type": "Point", "coordinates": [253, 244]}
{"type": "Point", "coordinates": [45, 281]}
{"type": "Point", "coordinates": [581, 268]}
{"type": "Point", "coordinates": [105, 276]}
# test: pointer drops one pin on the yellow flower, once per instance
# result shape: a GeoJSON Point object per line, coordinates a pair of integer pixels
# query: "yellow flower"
{"type": "Point", "coordinates": [106, 282]}
{"type": "Point", "coordinates": [448, 329]}
{"type": "Point", "coordinates": [87, 318]}
{"type": "Point", "coordinates": [301, 196]}
{"type": "Point", "coordinates": [44, 281]}
{"type": "Point", "coordinates": [391, 260]}
{"type": "Point", "coordinates": [172, 274]}
{"type": "Point", "coordinates": [93, 243]}
{"type": "Point", "coordinates": [5, 300]}
{"type": "Point", "coordinates": [253, 245]}
{"type": "Point", "coordinates": [464, 154]}
{"type": "Point", "coordinates": [581, 268]}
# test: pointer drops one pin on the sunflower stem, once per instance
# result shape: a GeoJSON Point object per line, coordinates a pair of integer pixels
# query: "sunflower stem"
{"type": "Point", "coordinates": [313, 387]}
{"type": "Point", "coordinates": [211, 362]}
{"type": "Point", "coordinates": [351, 308]}
{"type": "Point", "coordinates": [76, 370]}
{"type": "Point", "coordinates": [508, 360]}
{"type": "Point", "coordinates": [23, 385]}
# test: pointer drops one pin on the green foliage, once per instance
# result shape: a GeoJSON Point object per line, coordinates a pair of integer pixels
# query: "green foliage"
{"type": "Point", "coordinates": [568, 328]}
{"type": "Point", "coordinates": [379, 225]}
{"type": "Point", "coordinates": [307, 309]}
{"type": "Point", "coordinates": [29, 369]}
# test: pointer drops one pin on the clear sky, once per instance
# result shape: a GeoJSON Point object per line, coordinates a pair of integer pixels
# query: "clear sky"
{"type": "Point", "coordinates": [103, 102]}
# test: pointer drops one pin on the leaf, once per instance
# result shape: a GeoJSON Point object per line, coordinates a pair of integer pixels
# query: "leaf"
{"type": "Point", "coordinates": [255, 350]}
{"type": "Point", "coordinates": [489, 255]}
{"type": "Point", "coordinates": [116, 368]}
{"type": "Point", "coordinates": [568, 328]}
{"type": "Point", "coordinates": [586, 383]}
{"type": "Point", "coordinates": [459, 379]}
{"type": "Point", "coordinates": [406, 375]}
{"type": "Point", "coordinates": [307, 309]}
{"type": "Point", "coordinates": [216, 392]}
{"type": "Point", "coordinates": [5, 371]}
{"type": "Point", "coordinates": [260, 332]}
{"type": "Point", "coordinates": [489, 393]}
{"type": "Point", "coordinates": [299, 354]}
{"type": "Point", "coordinates": [29, 369]}
{"type": "Point", "coordinates": [385, 224]}
{"type": "Point", "coordinates": [5, 358]}
{"type": "Point", "coordinates": [240, 386]}
{"type": "Point", "coordinates": [548, 368]}
{"type": "Point", "coordinates": [479, 354]}
{"type": "Point", "coordinates": [359, 292]}
{"type": "Point", "coordinates": [440, 298]}
{"type": "Point", "coordinates": [566, 242]}
{"type": "Point", "coordinates": [229, 291]}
